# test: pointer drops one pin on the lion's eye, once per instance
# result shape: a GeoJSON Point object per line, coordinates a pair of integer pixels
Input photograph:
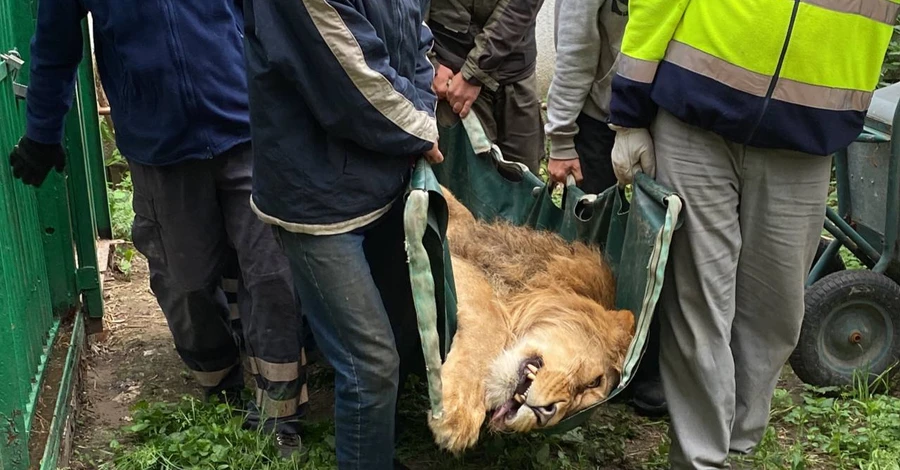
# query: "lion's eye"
{"type": "Point", "coordinates": [596, 383]}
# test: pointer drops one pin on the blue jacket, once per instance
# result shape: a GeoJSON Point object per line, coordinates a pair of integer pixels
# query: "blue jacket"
{"type": "Point", "coordinates": [173, 71]}
{"type": "Point", "coordinates": [341, 107]}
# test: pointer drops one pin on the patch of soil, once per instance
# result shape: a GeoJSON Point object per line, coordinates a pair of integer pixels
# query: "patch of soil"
{"type": "Point", "coordinates": [132, 359]}
{"type": "Point", "coordinates": [48, 395]}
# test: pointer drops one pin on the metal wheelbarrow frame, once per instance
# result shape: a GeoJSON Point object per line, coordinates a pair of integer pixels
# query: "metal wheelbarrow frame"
{"type": "Point", "coordinates": [852, 320]}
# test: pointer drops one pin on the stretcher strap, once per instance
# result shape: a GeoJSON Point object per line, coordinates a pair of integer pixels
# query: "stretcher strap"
{"type": "Point", "coordinates": [656, 271]}
{"type": "Point", "coordinates": [415, 222]}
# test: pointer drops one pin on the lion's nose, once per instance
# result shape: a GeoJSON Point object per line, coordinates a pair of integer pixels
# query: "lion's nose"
{"type": "Point", "coordinates": [545, 413]}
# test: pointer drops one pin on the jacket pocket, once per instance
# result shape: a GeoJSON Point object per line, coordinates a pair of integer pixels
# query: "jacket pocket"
{"type": "Point", "coordinates": [146, 233]}
{"type": "Point", "coordinates": [601, 91]}
{"type": "Point", "coordinates": [451, 14]}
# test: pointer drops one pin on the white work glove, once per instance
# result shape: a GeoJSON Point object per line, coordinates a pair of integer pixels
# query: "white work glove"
{"type": "Point", "coordinates": [632, 152]}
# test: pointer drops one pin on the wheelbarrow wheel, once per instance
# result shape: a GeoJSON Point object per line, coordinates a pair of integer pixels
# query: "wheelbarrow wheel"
{"type": "Point", "coordinates": [835, 264]}
{"type": "Point", "coordinates": [852, 322]}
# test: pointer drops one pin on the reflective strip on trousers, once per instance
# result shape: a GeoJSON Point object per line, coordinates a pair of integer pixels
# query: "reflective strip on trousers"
{"type": "Point", "coordinates": [272, 408]}
{"type": "Point", "coordinates": [757, 84]}
{"type": "Point", "coordinates": [211, 379]}
{"type": "Point", "coordinates": [234, 313]}
{"type": "Point", "coordinates": [274, 372]}
{"type": "Point", "coordinates": [230, 285]}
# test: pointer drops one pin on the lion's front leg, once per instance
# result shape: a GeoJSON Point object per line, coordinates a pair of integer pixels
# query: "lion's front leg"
{"type": "Point", "coordinates": [463, 398]}
{"type": "Point", "coordinates": [480, 337]}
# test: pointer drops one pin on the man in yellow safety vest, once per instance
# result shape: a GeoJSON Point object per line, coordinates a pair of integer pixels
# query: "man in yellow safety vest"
{"type": "Point", "coordinates": [737, 105]}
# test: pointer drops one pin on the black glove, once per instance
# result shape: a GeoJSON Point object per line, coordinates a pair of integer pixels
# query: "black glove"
{"type": "Point", "coordinates": [31, 161]}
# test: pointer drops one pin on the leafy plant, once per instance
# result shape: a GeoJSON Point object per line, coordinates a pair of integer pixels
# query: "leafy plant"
{"type": "Point", "coordinates": [890, 72]}
{"type": "Point", "coordinates": [124, 256]}
{"type": "Point", "coordinates": [121, 210]}
{"type": "Point", "coordinates": [197, 435]}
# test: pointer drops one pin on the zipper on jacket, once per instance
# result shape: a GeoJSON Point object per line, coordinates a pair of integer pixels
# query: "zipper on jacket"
{"type": "Point", "coordinates": [179, 60]}
{"type": "Point", "coordinates": [771, 90]}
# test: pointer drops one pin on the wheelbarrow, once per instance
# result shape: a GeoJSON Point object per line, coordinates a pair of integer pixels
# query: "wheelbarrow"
{"type": "Point", "coordinates": [634, 235]}
{"type": "Point", "coordinates": [852, 319]}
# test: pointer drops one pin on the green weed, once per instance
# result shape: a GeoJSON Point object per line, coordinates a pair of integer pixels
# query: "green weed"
{"type": "Point", "coordinates": [192, 434]}
{"type": "Point", "coordinates": [838, 427]}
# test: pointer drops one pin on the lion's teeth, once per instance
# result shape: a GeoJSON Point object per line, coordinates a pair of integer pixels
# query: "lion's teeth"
{"type": "Point", "coordinates": [519, 398]}
{"type": "Point", "coordinates": [532, 368]}
{"type": "Point", "coordinates": [531, 376]}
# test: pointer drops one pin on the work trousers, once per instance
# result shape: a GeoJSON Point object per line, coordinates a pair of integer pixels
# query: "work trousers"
{"type": "Point", "coordinates": [358, 299]}
{"type": "Point", "coordinates": [593, 144]}
{"type": "Point", "coordinates": [732, 302]}
{"type": "Point", "coordinates": [191, 219]}
{"type": "Point", "coordinates": [511, 117]}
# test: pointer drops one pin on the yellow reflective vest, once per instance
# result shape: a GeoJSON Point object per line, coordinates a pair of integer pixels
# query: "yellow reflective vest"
{"type": "Point", "coordinates": [789, 74]}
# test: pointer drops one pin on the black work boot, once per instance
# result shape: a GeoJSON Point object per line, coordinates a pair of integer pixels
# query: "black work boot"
{"type": "Point", "coordinates": [648, 398]}
{"type": "Point", "coordinates": [286, 430]}
{"type": "Point", "coordinates": [288, 444]}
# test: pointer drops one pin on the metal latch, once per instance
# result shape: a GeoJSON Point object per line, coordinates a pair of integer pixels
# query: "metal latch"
{"type": "Point", "coordinates": [20, 91]}
{"type": "Point", "coordinates": [13, 60]}
{"type": "Point", "coordinates": [14, 63]}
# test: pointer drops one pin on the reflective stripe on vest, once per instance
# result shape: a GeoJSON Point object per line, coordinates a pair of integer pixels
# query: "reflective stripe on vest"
{"type": "Point", "coordinates": [882, 11]}
{"type": "Point", "coordinates": [638, 70]}
{"type": "Point", "coordinates": [757, 84]}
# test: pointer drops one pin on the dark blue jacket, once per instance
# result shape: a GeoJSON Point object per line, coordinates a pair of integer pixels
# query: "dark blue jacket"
{"type": "Point", "coordinates": [173, 71]}
{"type": "Point", "coordinates": [341, 107]}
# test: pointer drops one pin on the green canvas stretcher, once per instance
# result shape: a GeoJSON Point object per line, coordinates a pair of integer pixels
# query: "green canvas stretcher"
{"type": "Point", "coordinates": [634, 235]}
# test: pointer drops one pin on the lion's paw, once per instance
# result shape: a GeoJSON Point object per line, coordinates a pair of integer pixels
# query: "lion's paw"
{"type": "Point", "coordinates": [458, 429]}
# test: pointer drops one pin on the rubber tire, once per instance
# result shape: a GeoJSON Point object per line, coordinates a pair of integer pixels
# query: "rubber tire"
{"type": "Point", "coordinates": [825, 296]}
{"type": "Point", "coordinates": [834, 265]}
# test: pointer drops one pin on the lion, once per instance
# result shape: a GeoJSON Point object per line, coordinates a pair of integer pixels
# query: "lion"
{"type": "Point", "coordinates": [538, 336]}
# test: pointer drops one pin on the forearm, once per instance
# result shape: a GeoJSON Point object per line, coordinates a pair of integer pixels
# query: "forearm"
{"type": "Point", "coordinates": [577, 57]}
{"type": "Point", "coordinates": [504, 30]}
{"type": "Point", "coordinates": [56, 50]}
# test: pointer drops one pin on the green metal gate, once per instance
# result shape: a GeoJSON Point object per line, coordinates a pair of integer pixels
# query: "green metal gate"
{"type": "Point", "coordinates": [48, 261]}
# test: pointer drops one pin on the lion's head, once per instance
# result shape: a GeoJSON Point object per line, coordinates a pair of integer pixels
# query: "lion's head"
{"type": "Point", "coordinates": [566, 354]}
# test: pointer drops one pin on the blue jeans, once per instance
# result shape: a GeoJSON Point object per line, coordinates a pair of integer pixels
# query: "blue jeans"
{"type": "Point", "coordinates": [348, 284]}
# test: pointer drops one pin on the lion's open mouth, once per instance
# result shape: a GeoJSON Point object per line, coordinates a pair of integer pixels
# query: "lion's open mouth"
{"type": "Point", "coordinates": [527, 371]}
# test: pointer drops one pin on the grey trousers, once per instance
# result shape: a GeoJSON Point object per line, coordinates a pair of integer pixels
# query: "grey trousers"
{"type": "Point", "coordinates": [732, 303]}
{"type": "Point", "coordinates": [191, 220]}
{"type": "Point", "coordinates": [511, 117]}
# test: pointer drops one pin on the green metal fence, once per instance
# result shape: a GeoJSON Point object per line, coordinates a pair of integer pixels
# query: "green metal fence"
{"type": "Point", "coordinates": [48, 261]}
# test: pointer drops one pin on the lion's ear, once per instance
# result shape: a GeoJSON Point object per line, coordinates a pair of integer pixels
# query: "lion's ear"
{"type": "Point", "coordinates": [625, 319]}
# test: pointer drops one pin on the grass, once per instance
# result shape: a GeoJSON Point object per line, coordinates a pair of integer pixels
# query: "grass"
{"type": "Point", "coordinates": [849, 428]}
{"type": "Point", "coordinates": [196, 435]}
{"type": "Point", "coordinates": [810, 428]}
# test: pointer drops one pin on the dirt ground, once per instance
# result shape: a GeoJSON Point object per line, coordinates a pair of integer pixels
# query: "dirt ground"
{"type": "Point", "coordinates": [132, 359]}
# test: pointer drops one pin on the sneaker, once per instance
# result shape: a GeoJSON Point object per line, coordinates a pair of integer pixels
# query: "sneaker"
{"type": "Point", "coordinates": [288, 444]}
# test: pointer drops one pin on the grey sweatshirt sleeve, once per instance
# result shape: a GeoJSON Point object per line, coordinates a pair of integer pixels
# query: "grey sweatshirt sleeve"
{"type": "Point", "coordinates": [578, 46]}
